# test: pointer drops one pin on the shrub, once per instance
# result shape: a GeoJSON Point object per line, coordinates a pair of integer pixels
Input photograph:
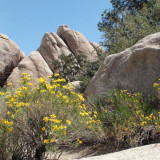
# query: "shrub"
{"type": "Point", "coordinates": [79, 69]}
{"type": "Point", "coordinates": [128, 119]}
{"type": "Point", "coordinates": [41, 118]}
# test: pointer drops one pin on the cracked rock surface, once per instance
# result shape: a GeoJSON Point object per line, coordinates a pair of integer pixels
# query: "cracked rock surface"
{"type": "Point", "coordinates": [34, 65]}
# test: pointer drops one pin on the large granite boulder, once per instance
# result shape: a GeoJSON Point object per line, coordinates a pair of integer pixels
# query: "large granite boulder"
{"type": "Point", "coordinates": [10, 56]}
{"type": "Point", "coordinates": [77, 43]}
{"type": "Point", "coordinates": [135, 69]}
{"type": "Point", "coordinates": [34, 65]}
{"type": "Point", "coordinates": [52, 46]}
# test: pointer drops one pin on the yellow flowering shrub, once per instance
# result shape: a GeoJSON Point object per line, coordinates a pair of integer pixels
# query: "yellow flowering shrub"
{"type": "Point", "coordinates": [40, 117]}
{"type": "Point", "coordinates": [124, 115]}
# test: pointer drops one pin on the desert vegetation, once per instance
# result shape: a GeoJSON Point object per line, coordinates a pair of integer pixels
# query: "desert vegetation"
{"type": "Point", "coordinates": [45, 117]}
{"type": "Point", "coordinates": [41, 118]}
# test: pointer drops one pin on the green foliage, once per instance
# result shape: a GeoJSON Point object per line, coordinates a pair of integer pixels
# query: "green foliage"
{"type": "Point", "coordinates": [34, 120]}
{"type": "Point", "coordinates": [79, 69]}
{"type": "Point", "coordinates": [125, 116]}
{"type": "Point", "coordinates": [128, 22]}
{"type": "Point", "coordinates": [40, 118]}
{"type": "Point", "coordinates": [67, 66]}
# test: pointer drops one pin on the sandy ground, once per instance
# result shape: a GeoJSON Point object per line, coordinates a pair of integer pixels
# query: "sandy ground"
{"type": "Point", "coordinates": [147, 152]}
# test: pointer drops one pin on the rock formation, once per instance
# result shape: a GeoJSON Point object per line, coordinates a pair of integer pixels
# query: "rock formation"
{"type": "Point", "coordinates": [76, 85]}
{"type": "Point", "coordinates": [51, 47]}
{"type": "Point", "coordinates": [65, 42]}
{"type": "Point", "coordinates": [135, 69]}
{"type": "Point", "coordinates": [10, 56]}
{"type": "Point", "coordinates": [34, 65]}
{"type": "Point", "coordinates": [147, 152]}
{"type": "Point", "coordinates": [77, 43]}
{"type": "Point", "coordinates": [97, 47]}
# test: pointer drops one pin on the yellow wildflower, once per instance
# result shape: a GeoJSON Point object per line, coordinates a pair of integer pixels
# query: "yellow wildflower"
{"type": "Point", "coordinates": [12, 99]}
{"type": "Point", "coordinates": [8, 113]}
{"type": "Point", "coordinates": [64, 97]}
{"type": "Point", "coordinates": [67, 101]}
{"type": "Point", "coordinates": [50, 76]}
{"type": "Point", "coordinates": [138, 111]}
{"type": "Point", "coordinates": [55, 128]}
{"type": "Point", "coordinates": [9, 129]}
{"type": "Point", "coordinates": [24, 74]}
{"type": "Point", "coordinates": [45, 119]}
{"type": "Point", "coordinates": [3, 121]}
{"type": "Point", "coordinates": [41, 80]}
{"type": "Point", "coordinates": [64, 87]}
{"type": "Point", "coordinates": [60, 93]}
{"type": "Point", "coordinates": [10, 105]}
{"type": "Point", "coordinates": [53, 116]}
{"type": "Point", "coordinates": [56, 74]}
{"type": "Point", "coordinates": [42, 91]}
{"type": "Point", "coordinates": [155, 84]}
{"type": "Point", "coordinates": [53, 92]}
{"type": "Point", "coordinates": [29, 84]}
{"type": "Point", "coordinates": [56, 121]}
{"type": "Point", "coordinates": [52, 140]}
{"type": "Point", "coordinates": [43, 128]}
{"type": "Point", "coordinates": [46, 141]}
{"type": "Point", "coordinates": [2, 94]}
{"type": "Point", "coordinates": [89, 127]}
{"type": "Point", "coordinates": [64, 132]}
{"type": "Point", "coordinates": [68, 122]}
{"type": "Point", "coordinates": [79, 141]}
{"type": "Point", "coordinates": [24, 88]}
{"type": "Point", "coordinates": [27, 104]}
{"type": "Point", "coordinates": [80, 97]}
{"type": "Point", "coordinates": [9, 84]}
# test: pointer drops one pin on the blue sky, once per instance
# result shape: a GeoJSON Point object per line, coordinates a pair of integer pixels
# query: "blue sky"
{"type": "Point", "coordinates": [26, 21]}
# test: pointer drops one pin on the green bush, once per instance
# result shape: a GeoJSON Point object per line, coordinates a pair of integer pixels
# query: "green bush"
{"type": "Point", "coordinates": [40, 118]}
{"type": "Point", "coordinates": [79, 69]}
{"type": "Point", "coordinates": [128, 118]}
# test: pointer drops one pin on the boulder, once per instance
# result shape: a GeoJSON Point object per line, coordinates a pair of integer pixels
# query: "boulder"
{"type": "Point", "coordinates": [77, 43]}
{"type": "Point", "coordinates": [10, 56]}
{"type": "Point", "coordinates": [34, 65]}
{"type": "Point", "coordinates": [97, 47]}
{"type": "Point", "coordinates": [136, 69]}
{"type": "Point", "coordinates": [147, 152]}
{"type": "Point", "coordinates": [52, 46]}
{"type": "Point", "coordinates": [76, 85]}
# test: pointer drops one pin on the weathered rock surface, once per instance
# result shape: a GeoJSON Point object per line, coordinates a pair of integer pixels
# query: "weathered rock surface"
{"type": "Point", "coordinates": [10, 56]}
{"type": "Point", "coordinates": [97, 47]}
{"type": "Point", "coordinates": [135, 69]}
{"type": "Point", "coordinates": [34, 65]}
{"type": "Point", "coordinates": [51, 47]}
{"type": "Point", "coordinates": [77, 43]}
{"type": "Point", "coordinates": [148, 152]}
{"type": "Point", "coordinates": [76, 85]}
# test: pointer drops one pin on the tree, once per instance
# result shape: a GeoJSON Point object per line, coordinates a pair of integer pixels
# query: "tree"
{"type": "Point", "coordinates": [128, 22]}
{"type": "Point", "coordinates": [79, 69]}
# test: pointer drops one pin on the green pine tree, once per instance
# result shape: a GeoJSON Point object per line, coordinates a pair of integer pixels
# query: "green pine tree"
{"type": "Point", "coordinates": [128, 22]}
